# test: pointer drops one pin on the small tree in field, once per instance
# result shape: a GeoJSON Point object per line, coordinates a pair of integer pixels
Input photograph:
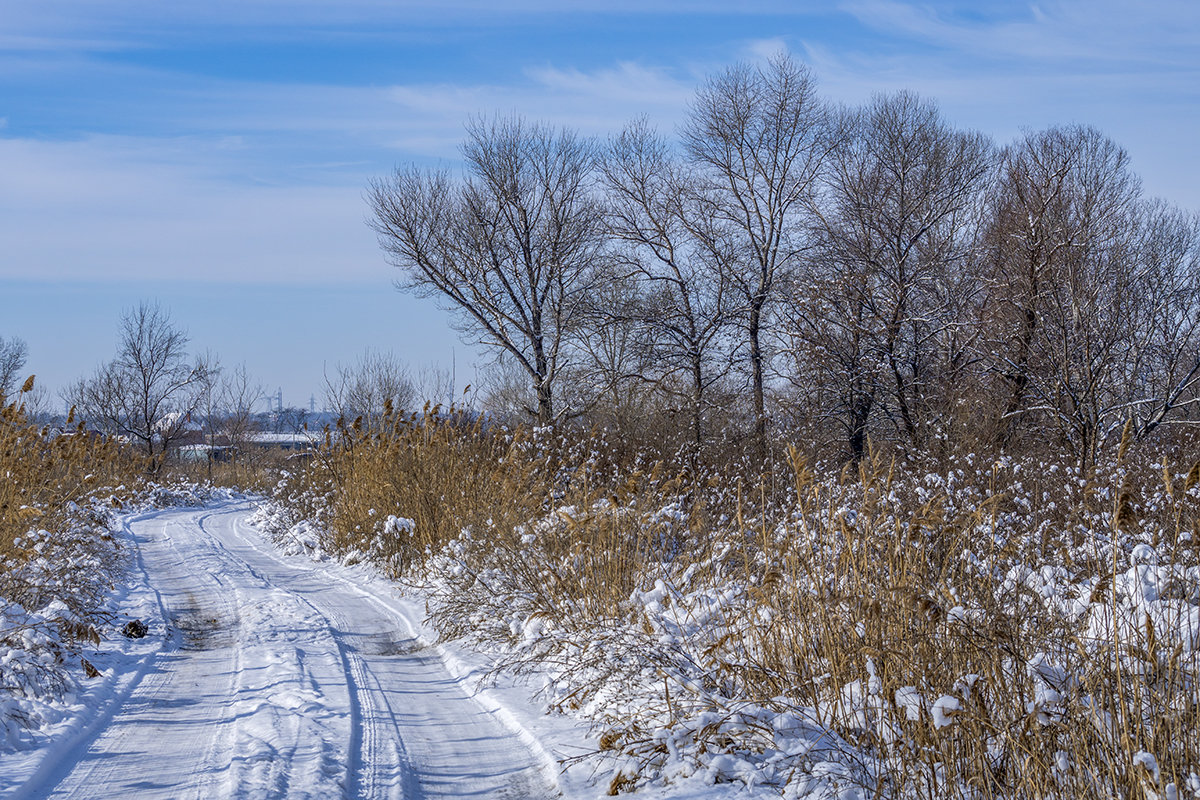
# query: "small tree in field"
{"type": "Point", "coordinates": [148, 392]}
{"type": "Point", "coordinates": [365, 389]}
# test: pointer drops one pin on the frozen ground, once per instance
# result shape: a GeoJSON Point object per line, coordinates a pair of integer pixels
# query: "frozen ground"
{"type": "Point", "coordinates": [267, 675]}
{"type": "Point", "coordinates": [272, 677]}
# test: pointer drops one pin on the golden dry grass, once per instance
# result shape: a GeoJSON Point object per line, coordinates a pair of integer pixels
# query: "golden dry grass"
{"type": "Point", "coordinates": [1007, 589]}
{"type": "Point", "coordinates": [54, 544]}
{"type": "Point", "coordinates": [45, 475]}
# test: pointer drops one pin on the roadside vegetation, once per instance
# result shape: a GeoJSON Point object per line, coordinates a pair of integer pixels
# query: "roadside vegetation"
{"type": "Point", "coordinates": [890, 486]}
{"type": "Point", "coordinates": [834, 450]}
{"type": "Point", "coordinates": [1000, 627]}
{"type": "Point", "coordinates": [58, 558]}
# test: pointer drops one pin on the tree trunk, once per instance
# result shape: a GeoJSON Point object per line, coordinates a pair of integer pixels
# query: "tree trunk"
{"type": "Point", "coordinates": [697, 390]}
{"type": "Point", "coordinates": [756, 367]}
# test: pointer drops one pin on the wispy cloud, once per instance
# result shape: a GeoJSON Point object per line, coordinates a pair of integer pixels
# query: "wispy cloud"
{"type": "Point", "coordinates": [115, 208]}
{"type": "Point", "coordinates": [764, 49]}
{"type": "Point", "coordinates": [108, 24]}
{"type": "Point", "coordinates": [627, 84]}
{"type": "Point", "coordinates": [1161, 33]}
{"type": "Point", "coordinates": [429, 118]}
{"type": "Point", "coordinates": [267, 204]}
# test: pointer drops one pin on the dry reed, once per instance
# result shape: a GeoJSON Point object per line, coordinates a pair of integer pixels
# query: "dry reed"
{"type": "Point", "coordinates": [1008, 628]}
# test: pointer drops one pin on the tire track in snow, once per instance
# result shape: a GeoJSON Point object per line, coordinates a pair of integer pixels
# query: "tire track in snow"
{"type": "Point", "coordinates": [155, 696]}
{"type": "Point", "coordinates": [285, 680]}
{"type": "Point", "coordinates": [385, 771]}
{"type": "Point", "coordinates": [361, 738]}
{"type": "Point", "coordinates": [278, 779]}
{"type": "Point", "coordinates": [455, 746]}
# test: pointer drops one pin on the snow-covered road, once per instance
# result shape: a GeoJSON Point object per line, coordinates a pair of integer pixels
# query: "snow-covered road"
{"type": "Point", "coordinates": [278, 678]}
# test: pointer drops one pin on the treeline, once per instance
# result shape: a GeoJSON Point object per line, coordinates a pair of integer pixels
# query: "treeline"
{"type": "Point", "coordinates": [785, 265]}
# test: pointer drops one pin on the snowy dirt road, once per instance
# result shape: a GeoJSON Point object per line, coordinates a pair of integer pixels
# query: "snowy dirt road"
{"type": "Point", "coordinates": [278, 678]}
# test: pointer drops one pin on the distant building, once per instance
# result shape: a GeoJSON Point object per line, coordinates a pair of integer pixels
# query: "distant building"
{"type": "Point", "coordinates": [199, 453]}
{"type": "Point", "coordinates": [302, 440]}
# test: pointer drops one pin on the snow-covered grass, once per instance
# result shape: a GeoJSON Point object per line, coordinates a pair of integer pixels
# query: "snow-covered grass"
{"type": "Point", "coordinates": [60, 566]}
{"type": "Point", "coordinates": [57, 563]}
{"type": "Point", "coordinates": [982, 628]}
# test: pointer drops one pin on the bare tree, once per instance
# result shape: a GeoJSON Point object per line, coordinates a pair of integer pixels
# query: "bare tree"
{"type": "Point", "coordinates": [208, 400]}
{"type": "Point", "coordinates": [756, 138]}
{"type": "Point", "coordinates": [13, 353]}
{"type": "Point", "coordinates": [239, 393]}
{"type": "Point", "coordinates": [435, 385]}
{"type": "Point", "coordinates": [684, 308]}
{"type": "Point", "coordinates": [368, 388]}
{"type": "Point", "coordinates": [890, 315]}
{"type": "Point", "coordinates": [149, 390]}
{"type": "Point", "coordinates": [512, 248]}
{"type": "Point", "coordinates": [1062, 254]}
{"type": "Point", "coordinates": [612, 379]}
{"type": "Point", "coordinates": [1161, 369]}
{"type": "Point", "coordinates": [226, 406]}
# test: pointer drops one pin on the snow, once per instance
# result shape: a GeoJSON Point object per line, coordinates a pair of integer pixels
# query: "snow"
{"type": "Point", "coordinates": [943, 710]}
{"type": "Point", "coordinates": [272, 672]}
{"type": "Point", "coordinates": [1148, 762]}
{"type": "Point", "coordinates": [265, 676]}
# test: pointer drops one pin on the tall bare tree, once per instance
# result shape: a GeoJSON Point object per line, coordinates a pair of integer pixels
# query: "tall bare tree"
{"type": "Point", "coordinates": [512, 248]}
{"type": "Point", "coordinates": [1161, 369]}
{"type": "Point", "coordinates": [1062, 254]}
{"type": "Point", "coordinates": [756, 137]}
{"type": "Point", "coordinates": [893, 281]}
{"type": "Point", "coordinates": [684, 307]}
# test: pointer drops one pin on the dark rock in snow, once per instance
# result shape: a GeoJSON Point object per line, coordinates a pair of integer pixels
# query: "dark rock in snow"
{"type": "Point", "coordinates": [135, 629]}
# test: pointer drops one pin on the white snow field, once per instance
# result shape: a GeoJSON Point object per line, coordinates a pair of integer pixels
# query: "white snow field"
{"type": "Point", "coordinates": [272, 677]}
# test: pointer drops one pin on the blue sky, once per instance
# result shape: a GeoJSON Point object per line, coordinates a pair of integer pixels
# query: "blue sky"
{"type": "Point", "coordinates": [212, 155]}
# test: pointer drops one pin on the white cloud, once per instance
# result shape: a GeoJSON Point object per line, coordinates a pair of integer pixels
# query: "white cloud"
{"type": "Point", "coordinates": [427, 119]}
{"type": "Point", "coordinates": [627, 85]}
{"type": "Point", "coordinates": [1133, 75]}
{"type": "Point", "coordinates": [267, 185]}
{"type": "Point", "coordinates": [1163, 33]}
{"type": "Point", "coordinates": [249, 196]}
{"type": "Point", "coordinates": [128, 209]}
{"type": "Point", "coordinates": [766, 49]}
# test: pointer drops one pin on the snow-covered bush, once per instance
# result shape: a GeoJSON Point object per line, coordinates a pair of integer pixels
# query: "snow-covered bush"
{"type": "Point", "coordinates": [58, 560]}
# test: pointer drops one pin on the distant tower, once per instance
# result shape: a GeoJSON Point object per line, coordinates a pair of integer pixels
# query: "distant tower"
{"type": "Point", "coordinates": [279, 399]}
{"type": "Point", "coordinates": [312, 404]}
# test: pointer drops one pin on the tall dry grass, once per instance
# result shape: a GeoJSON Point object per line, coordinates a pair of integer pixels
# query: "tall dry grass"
{"type": "Point", "coordinates": [250, 470]}
{"type": "Point", "coordinates": [53, 540]}
{"type": "Point", "coordinates": [985, 628]}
